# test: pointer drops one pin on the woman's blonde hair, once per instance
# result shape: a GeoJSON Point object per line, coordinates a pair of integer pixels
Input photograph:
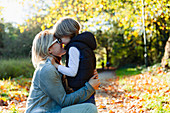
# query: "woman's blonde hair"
{"type": "Point", "coordinates": [40, 46]}
{"type": "Point", "coordinates": [66, 26]}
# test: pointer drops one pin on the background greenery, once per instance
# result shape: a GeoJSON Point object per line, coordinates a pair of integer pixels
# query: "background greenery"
{"type": "Point", "coordinates": [16, 67]}
{"type": "Point", "coordinates": [117, 25]}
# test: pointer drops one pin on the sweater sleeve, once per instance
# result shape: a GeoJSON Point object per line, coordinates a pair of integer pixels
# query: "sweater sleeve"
{"type": "Point", "coordinates": [73, 63]}
{"type": "Point", "coordinates": [51, 84]}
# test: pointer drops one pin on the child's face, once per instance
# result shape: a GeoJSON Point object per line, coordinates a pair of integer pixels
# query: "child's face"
{"type": "Point", "coordinates": [66, 39]}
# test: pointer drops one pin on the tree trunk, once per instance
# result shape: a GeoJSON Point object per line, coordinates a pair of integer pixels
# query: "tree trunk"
{"type": "Point", "coordinates": [2, 31]}
{"type": "Point", "coordinates": [166, 58]}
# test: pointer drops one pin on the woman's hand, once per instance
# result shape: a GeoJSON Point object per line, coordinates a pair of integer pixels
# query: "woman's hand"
{"type": "Point", "coordinates": [94, 81]}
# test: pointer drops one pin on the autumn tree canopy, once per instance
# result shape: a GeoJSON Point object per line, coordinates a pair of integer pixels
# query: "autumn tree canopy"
{"type": "Point", "coordinates": [119, 20]}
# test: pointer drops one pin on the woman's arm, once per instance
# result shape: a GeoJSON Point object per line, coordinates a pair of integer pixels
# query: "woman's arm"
{"type": "Point", "coordinates": [73, 63]}
{"type": "Point", "coordinates": [51, 84]}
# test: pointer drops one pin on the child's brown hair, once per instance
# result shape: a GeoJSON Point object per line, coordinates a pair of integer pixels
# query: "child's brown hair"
{"type": "Point", "coordinates": [66, 26]}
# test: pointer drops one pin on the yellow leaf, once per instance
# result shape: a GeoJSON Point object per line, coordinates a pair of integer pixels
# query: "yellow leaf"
{"type": "Point", "coordinates": [147, 29]}
{"type": "Point", "coordinates": [39, 10]}
{"type": "Point", "coordinates": [120, 24]}
{"type": "Point", "coordinates": [3, 98]}
{"type": "Point", "coordinates": [49, 25]}
{"type": "Point", "coordinates": [135, 34]}
{"type": "Point", "coordinates": [111, 111]}
{"type": "Point", "coordinates": [126, 32]}
{"type": "Point", "coordinates": [27, 20]}
{"type": "Point", "coordinates": [161, 27]}
{"type": "Point", "coordinates": [38, 19]}
{"type": "Point", "coordinates": [43, 27]}
{"type": "Point", "coordinates": [121, 105]}
{"type": "Point", "coordinates": [21, 29]}
{"type": "Point", "coordinates": [158, 23]}
{"type": "Point", "coordinates": [166, 18]}
{"type": "Point", "coordinates": [33, 18]}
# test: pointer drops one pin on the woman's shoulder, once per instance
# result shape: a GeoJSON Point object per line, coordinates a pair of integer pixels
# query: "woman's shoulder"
{"type": "Point", "coordinates": [47, 67]}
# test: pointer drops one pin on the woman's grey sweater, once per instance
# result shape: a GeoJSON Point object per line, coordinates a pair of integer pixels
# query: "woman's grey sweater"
{"type": "Point", "coordinates": [47, 93]}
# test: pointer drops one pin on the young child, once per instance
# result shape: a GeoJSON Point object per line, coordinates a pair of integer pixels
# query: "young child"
{"type": "Point", "coordinates": [80, 58]}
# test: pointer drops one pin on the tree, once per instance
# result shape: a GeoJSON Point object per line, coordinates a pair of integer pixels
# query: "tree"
{"type": "Point", "coordinates": [18, 44]}
{"type": "Point", "coordinates": [2, 32]}
{"type": "Point", "coordinates": [124, 14]}
{"type": "Point", "coordinates": [104, 41]}
{"type": "Point", "coordinates": [166, 58]}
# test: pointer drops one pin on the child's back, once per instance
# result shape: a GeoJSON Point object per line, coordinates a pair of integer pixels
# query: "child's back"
{"type": "Point", "coordinates": [85, 43]}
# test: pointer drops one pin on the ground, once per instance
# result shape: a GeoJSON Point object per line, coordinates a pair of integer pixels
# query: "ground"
{"type": "Point", "coordinates": [141, 93]}
{"type": "Point", "coordinates": [102, 98]}
{"type": "Point", "coordinates": [16, 104]}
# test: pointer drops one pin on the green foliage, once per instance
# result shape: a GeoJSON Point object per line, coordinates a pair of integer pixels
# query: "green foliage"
{"type": "Point", "coordinates": [120, 21]}
{"type": "Point", "coordinates": [16, 67]}
{"type": "Point", "coordinates": [16, 44]}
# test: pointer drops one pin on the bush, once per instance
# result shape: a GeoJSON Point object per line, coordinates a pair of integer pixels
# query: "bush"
{"type": "Point", "coordinates": [16, 67]}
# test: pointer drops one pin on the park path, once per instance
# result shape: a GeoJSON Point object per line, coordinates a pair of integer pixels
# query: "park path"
{"type": "Point", "coordinates": [102, 97]}
{"type": "Point", "coordinates": [103, 76]}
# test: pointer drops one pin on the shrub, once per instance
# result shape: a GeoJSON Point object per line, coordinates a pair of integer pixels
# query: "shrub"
{"type": "Point", "coordinates": [16, 67]}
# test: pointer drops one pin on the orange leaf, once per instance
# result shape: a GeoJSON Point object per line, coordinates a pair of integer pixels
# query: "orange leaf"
{"type": "Point", "coordinates": [16, 98]}
{"type": "Point", "coordinates": [111, 111]}
{"type": "Point", "coordinates": [102, 106]}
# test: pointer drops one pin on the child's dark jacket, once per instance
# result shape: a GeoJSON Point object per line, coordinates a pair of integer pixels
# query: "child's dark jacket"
{"type": "Point", "coordinates": [85, 43]}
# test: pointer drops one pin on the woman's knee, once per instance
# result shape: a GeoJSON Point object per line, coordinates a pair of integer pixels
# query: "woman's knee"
{"type": "Point", "coordinates": [91, 108]}
{"type": "Point", "coordinates": [80, 108]}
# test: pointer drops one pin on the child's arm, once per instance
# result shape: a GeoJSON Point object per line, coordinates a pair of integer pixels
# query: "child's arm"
{"type": "Point", "coordinates": [73, 63]}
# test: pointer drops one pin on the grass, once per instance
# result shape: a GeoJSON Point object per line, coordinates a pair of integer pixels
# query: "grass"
{"type": "Point", "coordinates": [121, 72]}
{"type": "Point", "coordinates": [16, 67]}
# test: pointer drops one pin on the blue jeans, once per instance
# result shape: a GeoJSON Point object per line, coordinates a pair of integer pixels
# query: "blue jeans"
{"type": "Point", "coordinates": [80, 108]}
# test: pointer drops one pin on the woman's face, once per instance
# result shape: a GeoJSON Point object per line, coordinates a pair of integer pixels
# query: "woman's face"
{"type": "Point", "coordinates": [57, 50]}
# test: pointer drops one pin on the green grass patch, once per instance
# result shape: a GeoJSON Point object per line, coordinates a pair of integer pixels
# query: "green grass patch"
{"type": "Point", "coordinates": [127, 71]}
{"type": "Point", "coordinates": [16, 67]}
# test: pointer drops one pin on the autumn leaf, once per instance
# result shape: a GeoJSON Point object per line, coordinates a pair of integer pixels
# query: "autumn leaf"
{"type": "Point", "coordinates": [43, 27]}
{"type": "Point", "coordinates": [21, 29]}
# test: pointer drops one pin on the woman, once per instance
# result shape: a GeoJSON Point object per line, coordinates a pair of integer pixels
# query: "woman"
{"type": "Point", "coordinates": [47, 93]}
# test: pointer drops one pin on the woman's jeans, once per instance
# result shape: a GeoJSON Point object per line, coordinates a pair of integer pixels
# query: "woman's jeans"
{"type": "Point", "coordinates": [80, 108]}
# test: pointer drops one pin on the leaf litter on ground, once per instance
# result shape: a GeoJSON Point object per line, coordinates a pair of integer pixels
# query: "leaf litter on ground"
{"type": "Point", "coordinates": [141, 93]}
